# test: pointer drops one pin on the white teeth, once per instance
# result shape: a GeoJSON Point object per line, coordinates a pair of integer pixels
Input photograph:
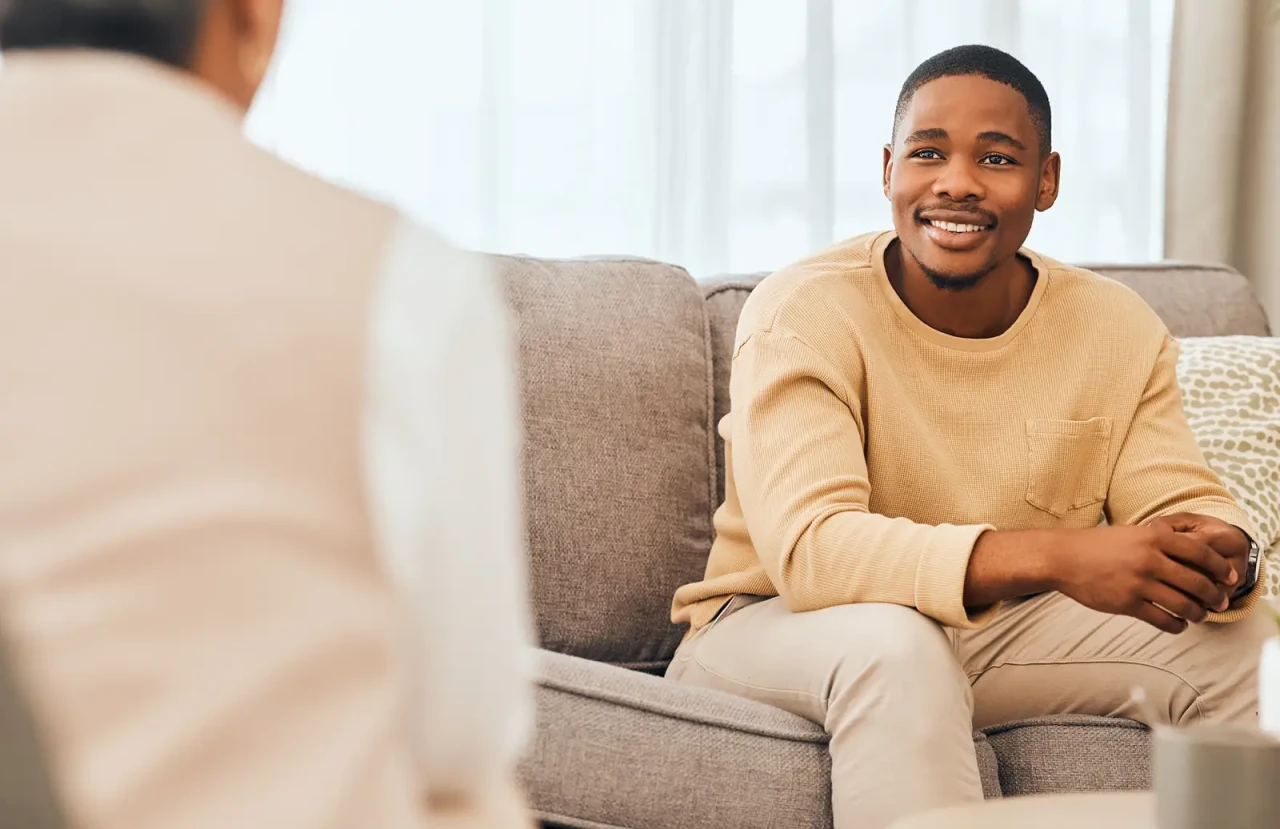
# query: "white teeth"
{"type": "Point", "coordinates": [957, 228]}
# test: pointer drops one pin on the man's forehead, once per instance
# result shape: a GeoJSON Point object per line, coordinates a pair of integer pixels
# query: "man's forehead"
{"type": "Point", "coordinates": [965, 105]}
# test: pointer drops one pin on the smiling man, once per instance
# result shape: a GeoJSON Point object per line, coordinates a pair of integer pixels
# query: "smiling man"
{"type": "Point", "coordinates": [927, 427]}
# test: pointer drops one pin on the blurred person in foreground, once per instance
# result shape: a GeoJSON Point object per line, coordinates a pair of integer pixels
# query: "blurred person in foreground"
{"type": "Point", "coordinates": [260, 549]}
{"type": "Point", "coordinates": [927, 427]}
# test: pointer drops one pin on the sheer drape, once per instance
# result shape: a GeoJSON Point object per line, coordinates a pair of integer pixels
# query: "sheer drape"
{"type": "Point", "coordinates": [724, 135]}
{"type": "Point", "coordinates": [1224, 148]}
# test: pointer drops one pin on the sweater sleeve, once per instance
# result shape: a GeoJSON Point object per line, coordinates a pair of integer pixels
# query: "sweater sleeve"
{"type": "Point", "coordinates": [1160, 469]}
{"type": "Point", "coordinates": [797, 443]}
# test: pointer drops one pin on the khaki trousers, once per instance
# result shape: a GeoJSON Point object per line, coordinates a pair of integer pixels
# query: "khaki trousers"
{"type": "Point", "coordinates": [900, 695]}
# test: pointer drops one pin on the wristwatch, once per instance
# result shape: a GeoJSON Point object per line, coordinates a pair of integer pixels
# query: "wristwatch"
{"type": "Point", "coordinates": [1251, 574]}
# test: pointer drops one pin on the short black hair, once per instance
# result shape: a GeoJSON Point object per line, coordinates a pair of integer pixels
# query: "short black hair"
{"type": "Point", "coordinates": [164, 30]}
{"type": "Point", "coordinates": [988, 62]}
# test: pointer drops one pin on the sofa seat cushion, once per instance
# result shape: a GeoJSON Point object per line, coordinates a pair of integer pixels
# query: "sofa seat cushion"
{"type": "Point", "coordinates": [1071, 754]}
{"type": "Point", "coordinates": [617, 748]}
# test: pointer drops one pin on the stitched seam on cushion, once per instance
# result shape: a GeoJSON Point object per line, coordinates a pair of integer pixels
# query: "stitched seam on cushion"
{"type": "Point", "coordinates": [1155, 267]}
{"type": "Point", "coordinates": [725, 287]}
{"type": "Point", "coordinates": [578, 822]}
{"type": "Point", "coordinates": [1066, 721]}
{"type": "Point", "coordinates": [676, 714]}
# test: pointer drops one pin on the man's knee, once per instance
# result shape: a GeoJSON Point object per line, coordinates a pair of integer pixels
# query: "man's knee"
{"type": "Point", "coordinates": [896, 653]}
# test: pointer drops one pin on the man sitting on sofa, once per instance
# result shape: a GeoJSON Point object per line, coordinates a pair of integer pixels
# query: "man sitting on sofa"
{"type": "Point", "coordinates": [926, 427]}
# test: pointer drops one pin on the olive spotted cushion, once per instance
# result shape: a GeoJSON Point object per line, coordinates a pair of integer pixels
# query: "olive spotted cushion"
{"type": "Point", "coordinates": [1231, 394]}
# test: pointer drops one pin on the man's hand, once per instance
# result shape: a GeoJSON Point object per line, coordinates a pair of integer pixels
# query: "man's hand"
{"type": "Point", "coordinates": [1158, 573]}
{"type": "Point", "coordinates": [1229, 541]}
{"type": "Point", "coordinates": [1165, 574]}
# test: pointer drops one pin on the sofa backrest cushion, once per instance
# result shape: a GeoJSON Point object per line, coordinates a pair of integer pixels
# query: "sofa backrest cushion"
{"type": "Point", "coordinates": [615, 372]}
{"type": "Point", "coordinates": [1193, 300]}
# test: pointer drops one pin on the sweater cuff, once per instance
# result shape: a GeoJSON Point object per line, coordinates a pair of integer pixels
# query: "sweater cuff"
{"type": "Point", "coordinates": [940, 574]}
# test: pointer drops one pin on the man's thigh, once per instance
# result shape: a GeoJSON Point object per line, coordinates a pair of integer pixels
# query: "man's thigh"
{"type": "Point", "coordinates": [1050, 655]}
{"type": "Point", "coordinates": [798, 661]}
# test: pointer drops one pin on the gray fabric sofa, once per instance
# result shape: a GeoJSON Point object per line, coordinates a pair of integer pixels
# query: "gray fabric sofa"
{"type": "Point", "coordinates": [624, 374]}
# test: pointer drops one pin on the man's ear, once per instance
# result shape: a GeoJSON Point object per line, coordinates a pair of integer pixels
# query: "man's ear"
{"type": "Point", "coordinates": [1050, 177]}
{"type": "Point", "coordinates": [256, 24]}
{"type": "Point", "coordinates": [888, 168]}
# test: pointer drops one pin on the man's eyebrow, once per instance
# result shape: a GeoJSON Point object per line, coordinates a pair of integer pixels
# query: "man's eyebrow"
{"type": "Point", "coordinates": [993, 137]}
{"type": "Point", "coordinates": [931, 134]}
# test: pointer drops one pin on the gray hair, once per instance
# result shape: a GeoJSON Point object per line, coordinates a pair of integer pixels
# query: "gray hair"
{"type": "Point", "coordinates": [165, 30]}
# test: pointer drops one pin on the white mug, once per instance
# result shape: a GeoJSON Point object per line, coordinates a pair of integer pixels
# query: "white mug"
{"type": "Point", "coordinates": [1216, 777]}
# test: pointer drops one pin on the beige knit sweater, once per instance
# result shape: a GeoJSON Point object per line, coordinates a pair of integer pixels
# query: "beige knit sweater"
{"type": "Point", "coordinates": [866, 451]}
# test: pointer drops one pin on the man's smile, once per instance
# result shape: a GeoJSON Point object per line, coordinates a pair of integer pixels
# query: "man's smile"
{"type": "Point", "coordinates": [955, 230]}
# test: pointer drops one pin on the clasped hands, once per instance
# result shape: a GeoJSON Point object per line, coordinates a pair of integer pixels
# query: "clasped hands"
{"type": "Point", "coordinates": [1170, 572]}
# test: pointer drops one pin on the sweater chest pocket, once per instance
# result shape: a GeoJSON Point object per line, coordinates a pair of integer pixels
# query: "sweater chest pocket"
{"type": "Point", "coordinates": [1067, 463]}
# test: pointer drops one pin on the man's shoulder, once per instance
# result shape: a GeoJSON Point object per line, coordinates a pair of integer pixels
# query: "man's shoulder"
{"type": "Point", "coordinates": [832, 279]}
{"type": "Point", "coordinates": [1097, 303]}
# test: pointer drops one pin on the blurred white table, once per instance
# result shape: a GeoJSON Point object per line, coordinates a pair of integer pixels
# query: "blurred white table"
{"type": "Point", "coordinates": [1105, 810]}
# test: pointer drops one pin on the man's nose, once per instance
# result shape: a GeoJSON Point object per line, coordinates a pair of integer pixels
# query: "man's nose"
{"type": "Point", "coordinates": [959, 181]}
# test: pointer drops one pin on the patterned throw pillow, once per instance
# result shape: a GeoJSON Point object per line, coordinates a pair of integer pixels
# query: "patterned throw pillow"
{"type": "Point", "coordinates": [1231, 394]}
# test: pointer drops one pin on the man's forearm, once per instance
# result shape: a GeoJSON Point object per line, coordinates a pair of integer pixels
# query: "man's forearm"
{"type": "Point", "coordinates": [1007, 565]}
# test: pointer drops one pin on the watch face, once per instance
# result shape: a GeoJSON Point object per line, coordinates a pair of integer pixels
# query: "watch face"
{"type": "Point", "coordinates": [1251, 575]}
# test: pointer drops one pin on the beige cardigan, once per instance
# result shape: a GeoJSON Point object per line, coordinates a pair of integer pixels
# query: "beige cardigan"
{"type": "Point", "coordinates": [184, 322]}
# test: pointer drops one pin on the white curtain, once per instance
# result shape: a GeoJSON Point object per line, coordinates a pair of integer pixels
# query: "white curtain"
{"type": "Point", "coordinates": [723, 135]}
{"type": "Point", "coordinates": [1224, 128]}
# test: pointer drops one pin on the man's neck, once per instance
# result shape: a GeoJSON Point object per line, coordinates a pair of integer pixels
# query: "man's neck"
{"type": "Point", "coordinates": [985, 310]}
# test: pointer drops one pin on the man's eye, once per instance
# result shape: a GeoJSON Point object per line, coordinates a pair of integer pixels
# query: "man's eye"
{"type": "Point", "coordinates": [997, 159]}
{"type": "Point", "coordinates": [927, 155]}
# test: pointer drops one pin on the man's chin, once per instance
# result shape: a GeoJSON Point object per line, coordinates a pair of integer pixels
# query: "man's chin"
{"type": "Point", "coordinates": [954, 282]}
{"type": "Point", "coordinates": [948, 274]}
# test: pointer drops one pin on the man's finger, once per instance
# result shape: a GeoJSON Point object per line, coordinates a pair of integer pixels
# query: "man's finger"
{"type": "Point", "coordinates": [1192, 582]}
{"type": "Point", "coordinates": [1176, 602]}
{"type": "Point", "coordinates": [1191, 550]}
{"type": "Point", "coordinates": [1158, 618]}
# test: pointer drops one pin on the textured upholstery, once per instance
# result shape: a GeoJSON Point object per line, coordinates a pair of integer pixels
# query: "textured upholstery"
{"type": "Point", "coordinates": [1194, 300]}
{"type": "Point", "coordinates": [619, 476]}
{"type": "Point", "coordinates": [1071, 754]}
{"type": "Point", "coordinates": [620, 748]}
